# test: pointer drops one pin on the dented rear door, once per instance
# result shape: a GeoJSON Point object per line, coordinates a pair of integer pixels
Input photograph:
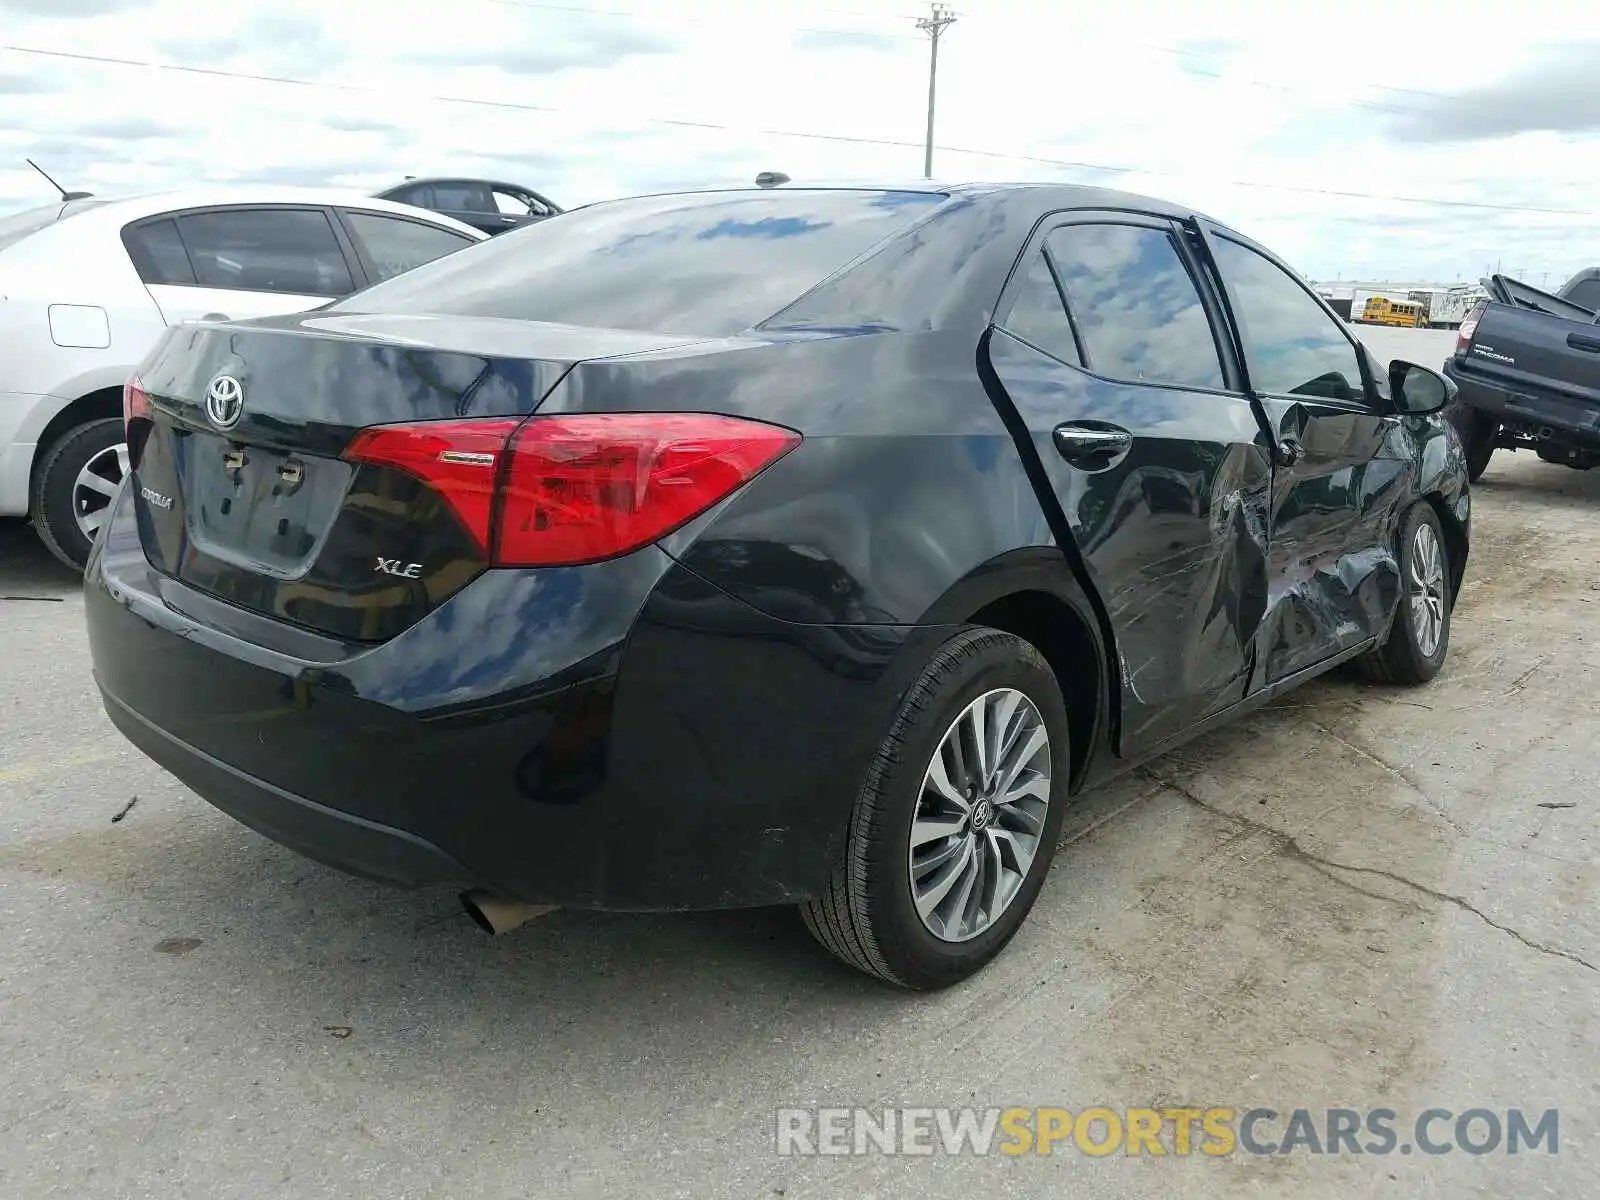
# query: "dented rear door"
{"type": "Point", "coordinates": [1158, 461]}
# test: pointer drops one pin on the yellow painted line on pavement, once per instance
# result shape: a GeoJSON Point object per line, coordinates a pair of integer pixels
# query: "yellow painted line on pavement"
{"type": "Point", "coordinates": [29, 768]}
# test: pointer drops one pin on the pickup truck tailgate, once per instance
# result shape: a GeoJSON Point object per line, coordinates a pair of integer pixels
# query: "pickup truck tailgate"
{"type": "Point", "coordinates": [1524, 350]}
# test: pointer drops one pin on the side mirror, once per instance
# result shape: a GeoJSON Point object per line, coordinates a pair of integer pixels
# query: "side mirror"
{"type": "Point", "coordinates": [1418, 391]}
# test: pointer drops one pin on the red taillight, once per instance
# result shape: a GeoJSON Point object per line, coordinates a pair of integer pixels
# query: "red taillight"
{"type": "Point", "coordinates": [458, 459]}
{"type": "Point", "coordinates": [559, 491]}
{"type": "Point", "coordinates": [135, 403]}
{"type": "Point", "coordinates": [1469, 326]}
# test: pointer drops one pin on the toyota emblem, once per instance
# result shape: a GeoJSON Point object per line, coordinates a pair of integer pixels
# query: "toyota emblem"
{"type": "Point", "coordinates": [224, 402]}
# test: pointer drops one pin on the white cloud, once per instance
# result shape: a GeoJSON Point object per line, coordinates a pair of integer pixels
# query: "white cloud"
{"type": "Point", "coordinates": [1230, 106]}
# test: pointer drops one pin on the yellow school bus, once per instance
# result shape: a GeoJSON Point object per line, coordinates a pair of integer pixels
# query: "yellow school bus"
{"type": "Point", "coordinates": [1409, 314]}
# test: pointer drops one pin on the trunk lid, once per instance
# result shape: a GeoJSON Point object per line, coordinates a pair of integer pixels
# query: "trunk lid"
{"type": "Point", "coordinates": [240, 489]}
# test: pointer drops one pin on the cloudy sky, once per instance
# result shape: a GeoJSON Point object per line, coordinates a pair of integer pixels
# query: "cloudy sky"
{"type": "Point", "coordinates": [1485, 140]}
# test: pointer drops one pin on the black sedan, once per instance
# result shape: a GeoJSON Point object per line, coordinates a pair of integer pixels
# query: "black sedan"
{"type": "Point", "coordinates": [791, 545]}
{"type": "Point", "coordinates": [487, 204]}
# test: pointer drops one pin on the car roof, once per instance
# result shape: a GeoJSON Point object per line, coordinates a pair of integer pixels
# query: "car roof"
{"type": "Point", "coordinates": [486, 180]}
{"type": "Point", "coordinates": [119, 210]}
{"type": "Point", "coordinates": [1044, 195]}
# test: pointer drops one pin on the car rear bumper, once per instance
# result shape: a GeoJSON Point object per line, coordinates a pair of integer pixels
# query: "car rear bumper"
{"type": "Point", "coordinates": [1539, 414]}
{"type": "Point", "coordinates": [621, 736]}
{"type": "Point", "coordinates": [337, 839]}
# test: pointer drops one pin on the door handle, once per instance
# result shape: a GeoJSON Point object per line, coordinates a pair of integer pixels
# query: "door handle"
{"type": "Point", "coordinates": [1089, 446]}
{"type": "Point", "coordinates": [1579, 341]}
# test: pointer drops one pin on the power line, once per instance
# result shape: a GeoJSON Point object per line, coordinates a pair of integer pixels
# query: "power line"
{"type": "Point", "coordinates": [678, 18]}
{"type": "Point", "coordinates": [844, 139]}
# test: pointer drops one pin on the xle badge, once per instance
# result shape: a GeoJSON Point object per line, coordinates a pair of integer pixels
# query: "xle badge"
{"type": "Point", "coordinates": [392, 566]}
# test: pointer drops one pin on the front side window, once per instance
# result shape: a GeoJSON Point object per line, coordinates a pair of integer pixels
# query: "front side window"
{"type": "Point", "coordinates": [1138, 311]}
{"type": "Point", "coordinates": [1291, 345]}
{"type": "Point", "coordinates": [293, 251]}
{"type": "Point", "coordinates": [510, 204]}
{"type": "Point", "coordinates": [1037, 315]}
{"type": "Point", "coordinates": [709, 264]}
{"type": "Point", "coordinates": [393, 245]}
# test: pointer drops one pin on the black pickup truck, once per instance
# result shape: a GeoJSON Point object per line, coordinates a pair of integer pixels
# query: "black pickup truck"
{"type": "Point", "coordinates": [1527, 366]}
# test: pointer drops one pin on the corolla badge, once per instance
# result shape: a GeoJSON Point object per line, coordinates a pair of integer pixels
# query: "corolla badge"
{"type": "Point", "coordinates": [224, 401]}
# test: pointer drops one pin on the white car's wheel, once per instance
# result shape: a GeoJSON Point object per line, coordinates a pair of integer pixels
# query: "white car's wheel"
{"type": "Point", "coordinates": [74, 486]}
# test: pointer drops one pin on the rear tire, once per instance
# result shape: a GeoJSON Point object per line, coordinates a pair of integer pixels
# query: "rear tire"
{"type": "Point", "coordinates": [66, 499]}
{"type": "Point", "coordinates": [872, 913]}
{"type": "Point", "coordinates": [1419, 638]}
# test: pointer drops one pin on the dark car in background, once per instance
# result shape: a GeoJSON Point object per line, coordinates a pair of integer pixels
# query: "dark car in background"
{"type": "Point", "coordinates": [798, 545]}
{"type": "Point", "coordinates": [486, 204]}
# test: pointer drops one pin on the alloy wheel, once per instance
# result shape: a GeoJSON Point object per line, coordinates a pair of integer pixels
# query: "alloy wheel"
{"type": "Point", "coordinates": [96, 487]}
{"type": "Point", "coordinates": [980, 816]}
{"type": "Point", "coordinates": [1427, 590]}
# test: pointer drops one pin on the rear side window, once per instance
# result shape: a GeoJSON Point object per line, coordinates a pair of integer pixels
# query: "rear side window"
{"type": "Point", "coordinates": [1137, 307]}
{"type": "Point", "coordinates": [462, 197]}
{"type": "Point", "coordinates": [393, 245]}
{"type": "Point", "coordinates": [1037, 315]}
{"type": "Point", "coordinates": [288, 250]}
{"type": "Point", "coordinates": [157, 252]}
{"type": "Point", "coordinates": [709, 263]}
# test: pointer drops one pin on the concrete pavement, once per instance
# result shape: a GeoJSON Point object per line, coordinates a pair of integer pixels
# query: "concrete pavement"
{"type": "Point", "coordinates": [1360, 897]}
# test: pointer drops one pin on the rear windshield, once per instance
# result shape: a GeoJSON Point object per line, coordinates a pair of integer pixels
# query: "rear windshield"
{"type": "Point", "coordinates": [19, 225]}
{"type": "Point", "coordinates": [1585, 292]}
{"type": "Point", "coordinates": [711, 264]}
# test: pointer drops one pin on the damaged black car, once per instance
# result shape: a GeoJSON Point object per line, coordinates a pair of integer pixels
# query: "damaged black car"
{"type": "Point", "coordinates": [788, 545]}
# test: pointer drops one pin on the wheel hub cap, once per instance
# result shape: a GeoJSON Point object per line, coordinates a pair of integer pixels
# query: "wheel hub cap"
{"type": "Point", "coordinates": [96, 487]}
{"type": "Point", "coordinates": [980, 816]}
{"type": "Point", "coordinates": [1425, 590]}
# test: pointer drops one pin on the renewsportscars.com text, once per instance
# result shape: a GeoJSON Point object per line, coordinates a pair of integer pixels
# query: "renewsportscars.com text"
{"type": "Point", "coordinates": [1212, 1131]}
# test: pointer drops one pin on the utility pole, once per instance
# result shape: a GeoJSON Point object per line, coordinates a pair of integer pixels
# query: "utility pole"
{"type": "Point", "coordinates": [939, 18]}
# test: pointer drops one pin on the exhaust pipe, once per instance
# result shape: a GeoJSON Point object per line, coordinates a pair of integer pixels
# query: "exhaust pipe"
{"type": "Point", "coordinates": [496, 914]}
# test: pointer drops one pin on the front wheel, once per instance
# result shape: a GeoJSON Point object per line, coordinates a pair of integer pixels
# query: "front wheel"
{"type": "Point", "coordinates": [956, 822]}
{"type": "Point", "coordinates": [1420, 636]}
{"type": "Point", "coordinates": [74, 486]}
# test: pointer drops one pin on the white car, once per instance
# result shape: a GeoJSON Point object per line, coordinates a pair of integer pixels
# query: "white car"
{"type": "Point", "coordinates": [86, 287]}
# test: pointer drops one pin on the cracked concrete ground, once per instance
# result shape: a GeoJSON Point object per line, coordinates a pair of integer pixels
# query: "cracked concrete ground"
{"type": "Point", "coordinates": [1360, 897]}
